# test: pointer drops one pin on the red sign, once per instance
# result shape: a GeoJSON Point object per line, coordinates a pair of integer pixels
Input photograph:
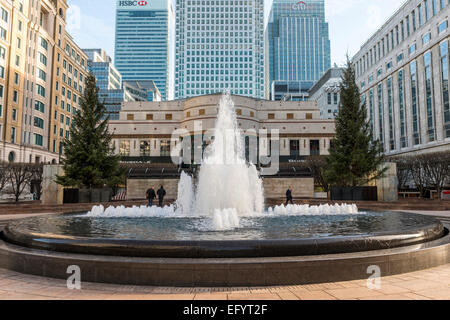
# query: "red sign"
{"type": "Point", "coordinates": [142, 3]}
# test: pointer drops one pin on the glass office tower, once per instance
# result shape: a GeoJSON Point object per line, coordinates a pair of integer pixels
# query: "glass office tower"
{"type": "Point", "coordinates": [219, 46]}
{"type": "Point", "coordinates": [144, 47]}
{"type": "Point", "coordinates": [299, 47]}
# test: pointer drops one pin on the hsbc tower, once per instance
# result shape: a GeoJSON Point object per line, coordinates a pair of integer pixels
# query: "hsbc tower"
{"type": "Point", "coordinates": [145, 39]}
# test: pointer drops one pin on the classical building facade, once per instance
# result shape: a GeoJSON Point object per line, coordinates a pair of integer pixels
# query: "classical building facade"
{"type": "Point", "coordinates": [220, 45]}
{"type": "Point", "coordinates": [144, 130]}
{"type": "Point", "coordinates": [402, 71]}
{"type": "Point", "coordinates": [42, 74]}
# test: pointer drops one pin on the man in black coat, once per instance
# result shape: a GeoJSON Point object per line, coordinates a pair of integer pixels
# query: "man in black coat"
{"type": "Point", "coordinates": [150, 195]}
{"type": "Point", "coordinates": [289, 197]}
{"type": "Point", "coordinates": [161, 195]}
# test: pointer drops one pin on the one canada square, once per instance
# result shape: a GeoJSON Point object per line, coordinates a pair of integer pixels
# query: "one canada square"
{"type": "Point", "coordinates": [299, 47]}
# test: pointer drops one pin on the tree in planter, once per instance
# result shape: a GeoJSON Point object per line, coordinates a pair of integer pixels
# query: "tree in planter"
{"type": "Point", "coordinates": [436, 167]}
{"type": "Point", "coordinates": [403, 171]}
{"type": "Point", "coordinates": [88, 155]}
{"type": "Point", "coordinates": [417, 166]}
{"type": "Point", "coordinates": [355, 159]}
{"type": "Point", "coordinates": [19, 177]}
{"type": "Point", "coordinates": [317, 165]}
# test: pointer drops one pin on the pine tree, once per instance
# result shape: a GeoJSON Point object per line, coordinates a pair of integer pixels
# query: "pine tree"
{"type": "Point", "coordinates": [89, 160]}
{"type": "Point", "coordinates": [355, 159]}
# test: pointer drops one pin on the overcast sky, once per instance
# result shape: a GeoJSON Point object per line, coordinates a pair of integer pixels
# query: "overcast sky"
{"type": "Point", "coordinates": [351, 23]}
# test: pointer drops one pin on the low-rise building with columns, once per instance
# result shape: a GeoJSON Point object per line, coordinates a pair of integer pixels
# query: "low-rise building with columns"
{"type": "Point", "coordinates": [144, 131]}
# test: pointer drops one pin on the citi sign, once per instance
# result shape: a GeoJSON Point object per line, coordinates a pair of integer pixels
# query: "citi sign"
{"type": "Point", "coordinates": [132, 3]}
{"type": "Point", "coordinates": [300, 6]}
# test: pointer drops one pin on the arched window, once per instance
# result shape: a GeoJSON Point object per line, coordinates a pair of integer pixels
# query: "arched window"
{"type": "Point", "coordinates": [11, 157]}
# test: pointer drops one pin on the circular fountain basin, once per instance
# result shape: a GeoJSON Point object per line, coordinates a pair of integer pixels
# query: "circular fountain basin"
{"type": "Point", "coordinates": [257, 237]}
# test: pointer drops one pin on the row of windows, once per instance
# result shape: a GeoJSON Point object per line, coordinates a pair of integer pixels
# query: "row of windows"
{"type": "Point", "coordinates": [402, 31]}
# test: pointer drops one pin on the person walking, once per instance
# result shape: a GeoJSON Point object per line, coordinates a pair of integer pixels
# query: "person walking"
{"type": "Point", "coordinates": [289, 198]}
{"type": "Point", "coordinates": [161, 195]}
{"type": "Point", "coordinates": [150, 195]}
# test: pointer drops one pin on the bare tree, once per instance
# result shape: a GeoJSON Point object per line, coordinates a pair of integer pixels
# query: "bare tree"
{"type": "Point", "coordinates": [403, 171]}
{"type": "Point", "coordinates": [436, 167]}
{"type": "Point", "coordinates": [19, 177]}
{"type": "Point", "coordinates": [317, 165]}
{"type": "Point", "coordinates": [3, 175]}
{"type": "Point", "coordinates": [419, 174]}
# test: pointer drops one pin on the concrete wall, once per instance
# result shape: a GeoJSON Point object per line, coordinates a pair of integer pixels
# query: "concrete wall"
{"type": "Point", "coordinates": [52, 193]}
{"type": "Point", "coordinates": [136, 188]}
{"type": "Point", "coordinates": [388, 185]}
{"type": "Point", "coordinates": [276, 187]}
{"type": "Point", "coordinates": [273, 187]}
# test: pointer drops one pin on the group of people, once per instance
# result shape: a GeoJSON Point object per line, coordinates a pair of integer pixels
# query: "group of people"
{"type": "Point", "coordinates": [161, 193]}
{"type": "Point", "coordinates": [151, 195]}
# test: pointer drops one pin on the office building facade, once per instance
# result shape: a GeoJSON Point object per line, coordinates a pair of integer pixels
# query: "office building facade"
{"type": "Point", "coordinates": [220, 46]}
{"type": "Point", "coordinates": [327, 93]}
{"type": "Point", "coordinates": [144, 42]}
{"type": "Point", "coordinates": [299, 47]}
{"type": "Point", "coordinates": [42, 74]}
{"type": "Point", "coordinates": [402, 72]}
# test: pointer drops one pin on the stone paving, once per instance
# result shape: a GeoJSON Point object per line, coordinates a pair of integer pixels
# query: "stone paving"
{"type": "Point", "coordinates": [431, 284]}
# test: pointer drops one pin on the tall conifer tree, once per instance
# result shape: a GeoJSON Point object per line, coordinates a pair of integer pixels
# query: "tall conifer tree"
{"type": "Point", "coordinates": [88, 155]}
{"type": "Point", "coordinates": [355, 159]}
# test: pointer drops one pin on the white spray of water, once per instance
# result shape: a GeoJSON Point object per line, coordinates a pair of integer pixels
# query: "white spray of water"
{"type": "Point", "coordinates": [226, 180]}
{"type": "Point", "coordinates": [228, 187]}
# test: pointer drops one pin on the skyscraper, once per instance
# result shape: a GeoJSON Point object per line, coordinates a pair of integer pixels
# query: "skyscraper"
{"type": "Point", "coordinates": [144, 42]}
{"type": "Point", "coordinates": [299, 47]}
{"type": "Point", "coordinates": [220, 46]}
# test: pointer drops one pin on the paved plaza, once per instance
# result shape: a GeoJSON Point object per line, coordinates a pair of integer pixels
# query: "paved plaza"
{"type": "Point", "coordinates": [431, 284]}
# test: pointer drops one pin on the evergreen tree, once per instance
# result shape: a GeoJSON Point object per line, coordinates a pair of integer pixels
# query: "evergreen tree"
{"type": "Point", "coordinates": [355, 159]}
{"type": "Point", "coordinates": [89, 160]}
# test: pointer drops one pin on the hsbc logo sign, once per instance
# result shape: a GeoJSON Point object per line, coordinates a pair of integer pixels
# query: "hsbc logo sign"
{"type": "Point", "coordinates": [300, 6]}
{"type": "Point", "coordinates": [141, 3]}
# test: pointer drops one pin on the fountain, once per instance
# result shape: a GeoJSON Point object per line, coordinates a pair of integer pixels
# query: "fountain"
{"type": "Point", "coordinates": [219, 233]}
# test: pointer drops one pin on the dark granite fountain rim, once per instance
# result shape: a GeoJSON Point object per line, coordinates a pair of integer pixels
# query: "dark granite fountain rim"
{"type": "Point", "coordinates": [14, 234]}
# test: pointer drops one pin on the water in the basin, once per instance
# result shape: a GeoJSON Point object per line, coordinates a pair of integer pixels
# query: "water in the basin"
{"type": "Point", "coordinates": [228, 188]}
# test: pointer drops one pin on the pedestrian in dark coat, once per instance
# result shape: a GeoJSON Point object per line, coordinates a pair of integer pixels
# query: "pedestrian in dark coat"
{"type": "Point", "coordinates": [150, 195]}
{"type": "Point", "coordinates": [161, 195]}
{"type": "Point", "coordinates": [289, 198]}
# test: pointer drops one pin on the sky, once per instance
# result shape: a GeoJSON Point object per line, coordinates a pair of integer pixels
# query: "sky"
{"type": "Point", "coordinates": [351, 23]}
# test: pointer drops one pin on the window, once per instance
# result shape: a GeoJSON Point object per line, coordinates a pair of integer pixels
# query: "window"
{"type": "Point", "coordinates": [445, 89]}
{"type": "Point", "coordinates": [290, 116]}
{"type": "Point", "coordinates": [42, 74]}
{"type": "Point", "coordinates": [124, 148]}
{"type": "Point", "coordinates": [149, 117]}
{"type": "Point", "coordinates": [44, 43]}
{"type": "Point", "coordinates": [13, 136]}
{"type": "Point", "coordinates": [412, 49]}
{"type": "Point", "coordinates": [390, 99]}
{"type": "Point", "coordinates": [415, 103]}
{"type": "Point", "coordinates": [3, 33]}
{"type": "Point", "coordinates": [429, 96]}
{"type": "Point", "coordinates": [165, 148]}
{"type": "Point", "coordinates": [130, 117]}
{"type": "Point", "coordinates": [309, 116]}
{"type": "Point", "coordinates": [42, 59]}
{"type": "Point", "coordinates": [39, 106]}
{"type": "Point", "coordinates": [443, 26]}
{"type": "Point", "coordinates": [145, 148]}
{"type": "Point", "coordinates": [426, 38]}
{"type": "Point", "coordinates": [271, 116]}
{"type": "Point", "coordinates": [4, 15]}
{"type": "Point", "coordinates": [38, 122]}
{"type": "Point", "coordinates": [40, 90]}
{"type": "Point", "coordinates": [402, 111]}
{"type": "Point", "coordinates": [15, 96]}
{"type": "Point", "coordinates": [2, 53]}
{"type": "Point", "coordinates": [169, 116]}
{"type": "Point", "coordinates": [239, 112]}
{"type": "Point", "coordinates": [201, 112]}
